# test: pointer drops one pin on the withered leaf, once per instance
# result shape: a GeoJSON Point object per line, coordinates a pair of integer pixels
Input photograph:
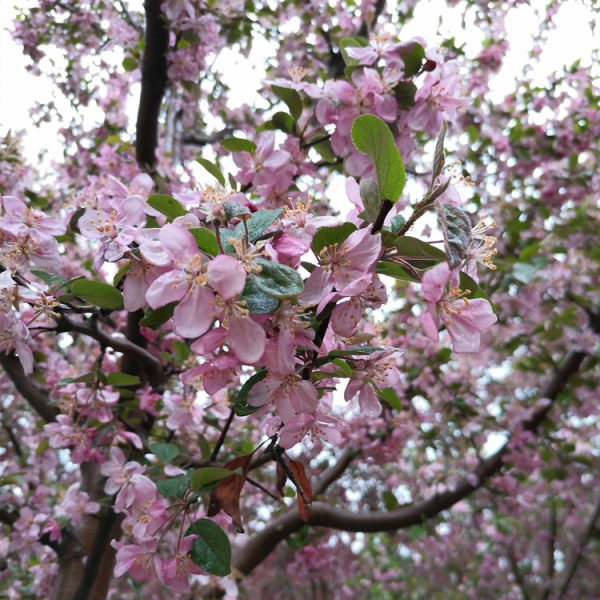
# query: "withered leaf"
{"type": "Point", "coordinates": [281, 478]}
{"type": "Point", "coordinates": [304, 490]}
{"type": "Point", "coordinates": [226, 494]}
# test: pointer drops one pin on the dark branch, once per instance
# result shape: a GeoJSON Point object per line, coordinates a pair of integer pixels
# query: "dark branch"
{"type": "Point", "coordinates": [28, 388]}
{"type": "Point", "coordinates": [260, 545]}
{"type": "Point", "coordinates": [577, 551]}
{"type": "Point", "coordinates": [154, 83]}
{"type": "Point", "coordinates": [151, 365]}
{"type": "Point", "coordinates": [203, 140]}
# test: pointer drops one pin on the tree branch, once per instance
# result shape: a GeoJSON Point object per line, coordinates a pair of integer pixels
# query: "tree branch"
{"type": "Point", "coordinates": [154, 83]}
{"type": "Point", "coordinates": [203, 140]}
{"type": "Point", "coordinates": [260, 545]}
{"type": "Point", "coordinates": [28, 388]}
{"type": "Point", "coordinates": [514, 567]}
{"type": "Point", "coordinates": [151, 365]}
{"type": "Point", "coordinates": [577, 551]}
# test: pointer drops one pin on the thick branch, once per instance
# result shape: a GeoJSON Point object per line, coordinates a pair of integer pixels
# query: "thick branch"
{"type": "Point", "coordinates": [28, 388]}
{"type": "Point", "coordinates": [334, 472]}
{"type": "Point", "coordinates": [260, 545]}
{"type": "Point", "coordinates": [154, 83]}
{"type": "Point", "coordinates": [151, 365]}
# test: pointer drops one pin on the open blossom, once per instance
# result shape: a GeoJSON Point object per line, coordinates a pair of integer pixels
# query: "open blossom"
{"type": "Point", "coordinates": [175, 572]}
{"type": "Point", "coordinates": [116, 230]}
{"type": "Point", "coordinates": [119, 472]}
{"type": "Point", "coordinates": [139, 560]}
{"type": "Point", "coordinates": [379, 371]}
{"type": "Point", "coordinates": [464, 319]}
{"type": "Point", "coordinates": [185, 281]}
{"type": "Point", "coordinates": [347, 266]}
{"type": "Point", "coordinates": [14, 335]}
{"type": "Point", "coordinates": [76, 504]}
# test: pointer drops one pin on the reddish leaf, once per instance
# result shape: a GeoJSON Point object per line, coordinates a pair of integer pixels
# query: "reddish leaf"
{"type": "Point", "coordinates": [303, 488]}
{"type": "Point", "coordinates": [226, 494]}
{"type": "Point", "coordinates": [281, 479]}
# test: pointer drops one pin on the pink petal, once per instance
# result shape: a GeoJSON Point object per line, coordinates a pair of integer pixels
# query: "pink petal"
{"type": "Point", "coordinates": [167, 288]}
{"type": "Point", "coordinates": [227, 276]}
{"type": "Point", "coordinates": [434, 282]}
{"type": "Point", "coordinates": [195, 313]}
{"type": "Point", "coordinates": [247, 339]}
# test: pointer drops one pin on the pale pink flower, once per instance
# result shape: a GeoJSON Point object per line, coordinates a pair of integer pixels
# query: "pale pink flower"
{"type": "Point", "coordinates": [119, 472]}
{"type": "Point", "coordinates": [348, 267]}
{"type": "Point", "coordinates": [186, 281]}
{"type": "Point", "coordinates": [175, 572]}
{"type": "Point", "coordinates": [464, 319]}
{"type": "Point", "coordinates": [379, 371]}
{"type": "Point", "coordinates": [76, 504]}
{"type": "Point", "coordinates": [139, 560]}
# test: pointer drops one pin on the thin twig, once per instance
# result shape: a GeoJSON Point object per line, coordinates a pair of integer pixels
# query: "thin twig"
{"type": "Point", "coordinates": [215, 452]}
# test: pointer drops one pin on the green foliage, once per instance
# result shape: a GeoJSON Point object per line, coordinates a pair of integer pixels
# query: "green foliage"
{"type": "Point", "coordinates": [373, 137]}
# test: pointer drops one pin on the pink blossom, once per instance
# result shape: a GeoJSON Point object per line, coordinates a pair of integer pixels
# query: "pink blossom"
{"type": "Point", "coordinates": [175, 572]}
{"type": "Point", "coordinates": [348, 267]}
{"type": "Point", "coordinates": [380, 371]}
{"type": "Point", "coordinates": [186, 281]}
{"type": "Point", "coordinates": [464, 319]}
{"type": "Point", "coordinates": [76, 504]}
{"type": "Point", "coordinates": [138, 560]}
{"type": "Point", "coordinates": [118, 471]}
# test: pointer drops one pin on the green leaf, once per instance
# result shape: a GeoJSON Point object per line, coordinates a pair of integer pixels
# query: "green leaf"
{"type": "Point", "coordinates": [363, 350]}
{"type": "Point", "coordinates": [121, 272]}
{"type": "Point", "coordinates": [416, 531]}
{"type": "Point", "coordinates": [467, 283]}
{"type": "Point", "coordinates": [257, 302]}
{"type": "Point", "coordinates": [85, 378]}
{"type": "Point", "coordinates": [211, 550]}
{"type": "Point", "coordinates": [391, 398]}
{"type": "Point", "coordinates": [283, 121]}
{"type": "Point", "coordinates": [181, 350]}
{"type": "Point", "coordinates": [369, 194]}
{"type": "Point", "coordinates": [394, 270]}
{"type": "Point", "coordinates": [206, 240]}
{"type": "Point", "coordinates": [344, 366]}
{"type": "Point", "coordinates": [165, 452]}
{"type": "Point", "coordinates": [326, 236]}
{"type": "Point", "coordinates": [418, 253]}
{"type": "Point", "coordinates": [373, 137]}
{"type": "Point", "coordinates": [174, 486]}
{"type": "Point", "coordinates": [256, 225]}
{"type": "Point", "coordinates": [397, 223]}
{"type": "Point", "coordinates": [279, 281]}
{"type": "Point", "coordinates": [413, 60]}
{"type": "Point", "coordinates": [238, 145]}
{"type": "Point", "coordinates": [154, 318]}
{"type": "Point", "coordinates": [291, 98]}
{"type": "Point", "coordinates": [97, 293]}
{"type": "Point", "coordinates": [456, 227]}
{"type": "Point", "coordinates": [122, 379]}
{"type": "Point", "coordinates": [167, 205]}
{"type": "Point", "coordinates": [45, 443]}
{"type": "Point", "coordinates": [130, 63]}
{"type": "Point", "coordinates": [201, 477]}
{"type": "Point", "coordinates": [49, 278]}
{"type": "Point", "coordinates": [389, 500]}
{"type": "Point", "coordinates": [405, 94]}
{"type": "Point", "coordinates": [212, 168]}
{"type": "Point", "coordinates": [241, 406]}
